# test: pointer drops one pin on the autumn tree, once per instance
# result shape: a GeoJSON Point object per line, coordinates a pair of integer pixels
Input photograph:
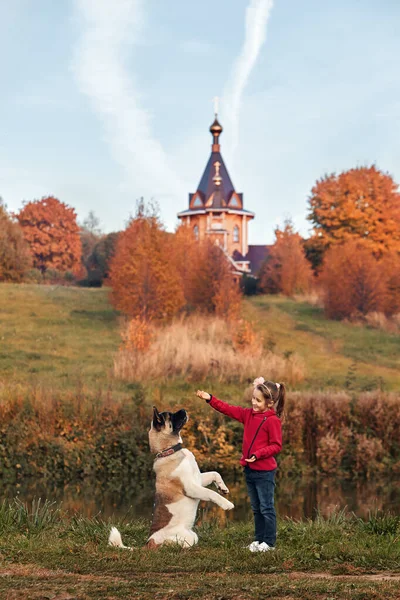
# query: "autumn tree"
{"type": "Point", "coordinates": [353, 281]}
{"type": "Point", "coordinates": [145, 281]}
{"type": "Point", "coordinates": [50, 228]}
{"type": "Point", "coordinates": [207, 275]}
{"type": "Point", "coordinates": [187, 256]}
{"type": "Point", "coordinates": [390, 269]}
{"type": "Point", "coordinates": [361, 204]}
{"type": "Point", "coordinates": [15, 258]}
{"type": "Point", "coordinates": [286, 269]}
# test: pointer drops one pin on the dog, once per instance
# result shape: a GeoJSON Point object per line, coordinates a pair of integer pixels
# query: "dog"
{"type": "Point", "coordinates": [179, 485]}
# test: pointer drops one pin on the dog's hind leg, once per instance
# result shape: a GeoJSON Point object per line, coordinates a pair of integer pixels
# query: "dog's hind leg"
{"type": "Point", "coordinates": [214, 477]}
{"type": "Point", "coordinates": [151, 545]}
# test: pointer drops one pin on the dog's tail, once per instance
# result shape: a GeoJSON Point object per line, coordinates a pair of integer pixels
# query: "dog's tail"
{"type": "Point", "coordinates": [115, 539]}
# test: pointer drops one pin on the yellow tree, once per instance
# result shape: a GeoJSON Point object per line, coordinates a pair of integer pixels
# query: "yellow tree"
{"type": "Point", "coordinates": [361, 204]}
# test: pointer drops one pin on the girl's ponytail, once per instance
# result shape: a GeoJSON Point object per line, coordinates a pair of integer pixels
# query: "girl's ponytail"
{"type": "Point", "coordinates": [280, 403]}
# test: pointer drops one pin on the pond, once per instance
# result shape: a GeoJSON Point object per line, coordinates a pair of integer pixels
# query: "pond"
{"type": "Point", "coordinates": [295, 498]}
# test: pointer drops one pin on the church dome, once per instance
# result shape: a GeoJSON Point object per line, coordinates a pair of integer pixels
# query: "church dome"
{"type": "Point", "coordinates": [216, 128]}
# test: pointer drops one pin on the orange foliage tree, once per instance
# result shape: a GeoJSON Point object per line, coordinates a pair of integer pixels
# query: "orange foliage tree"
{"type": "Point", "coordinates": [144, 278]}
{"type": "Point", "coordinates": [353, 281]}
{"type": "Point", "coordinates": [362, 204]}
{"type": "Point", "coordinates": [50, 228]}
{"type": "Point", "coordinates": [207, 278]}
{"type": "Point", "coordinates": [15, 258]}
{"type": "Point", "coordinates": [286, 269]}
{"type": "Point", "coordinates": [390, 268]}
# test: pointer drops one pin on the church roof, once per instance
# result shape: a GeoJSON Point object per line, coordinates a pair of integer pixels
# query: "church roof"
{"type": "Point", "coordinates": [207, 184]}
{"type": "Point", "coordinates": [216, 190]}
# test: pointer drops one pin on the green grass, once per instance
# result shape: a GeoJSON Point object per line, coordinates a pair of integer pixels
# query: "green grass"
{"type": "Point", "coordinates": [64, 337]}
{"type": "Point", "coordinates": [45, 550]}
{"type": "Point", "coordinates": [57, 335]}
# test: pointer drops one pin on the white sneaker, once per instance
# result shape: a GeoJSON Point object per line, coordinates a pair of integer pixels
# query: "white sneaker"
{"type": "Point", "coordinates": [253, 546]}
{"type": "Point", "coordinates": [263, 547]}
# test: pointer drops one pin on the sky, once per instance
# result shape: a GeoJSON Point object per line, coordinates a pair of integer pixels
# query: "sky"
{"type": "Point", "coordinates": [106, 101]}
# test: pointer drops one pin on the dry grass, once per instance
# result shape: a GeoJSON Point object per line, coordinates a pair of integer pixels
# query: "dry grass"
{"type": "Point", "coordinates": [314, 298]}
{"type": "Point", "coordinates": [199, 348]}
{"type": "Point", "coordinates": [378, 320]}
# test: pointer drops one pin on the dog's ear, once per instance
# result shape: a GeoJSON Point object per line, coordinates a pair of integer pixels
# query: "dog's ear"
{"type": "Point", "coordinates": [178, 420]}
{"type": "Point", "coordinates": [158, 419]}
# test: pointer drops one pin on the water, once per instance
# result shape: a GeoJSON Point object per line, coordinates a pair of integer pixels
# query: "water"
{"type": "Point", "coordinates": [295, 498]}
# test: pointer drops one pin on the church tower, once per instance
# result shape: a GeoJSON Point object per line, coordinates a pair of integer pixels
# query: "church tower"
{"type": "Point", "coordinates": [216, 209]}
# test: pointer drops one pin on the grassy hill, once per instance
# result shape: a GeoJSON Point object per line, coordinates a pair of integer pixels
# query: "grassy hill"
{"type": "Point", "coordinates": [56, 335]}
{"type": "Point", "coordinates": [67, 336]}
{"type": "Point", "coordinates": [335, 354]}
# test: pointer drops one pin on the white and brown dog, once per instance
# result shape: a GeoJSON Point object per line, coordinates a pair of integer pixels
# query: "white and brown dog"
{"type": "Point", "coordinates": [179, 485]}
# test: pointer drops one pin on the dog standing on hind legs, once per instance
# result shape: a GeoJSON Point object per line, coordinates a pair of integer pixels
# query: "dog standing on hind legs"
{"type": "Point", "coordinates": [179, 485]}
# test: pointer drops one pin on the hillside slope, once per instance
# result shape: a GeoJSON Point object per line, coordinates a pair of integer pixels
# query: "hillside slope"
{"type": "Point", "coordinates": [64, 335]}
{"type": "Point", "coordinates": [335, 354]}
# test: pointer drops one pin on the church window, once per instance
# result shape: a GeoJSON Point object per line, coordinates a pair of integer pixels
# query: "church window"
{"type": "Point", "coordinates": [236, 233]}
{"type": "Point", "coordinates": [234, 202]}
{"type": "Point", "coordinates": [196, 232]}
{"type": "Point", "coordinates": [197, 202]}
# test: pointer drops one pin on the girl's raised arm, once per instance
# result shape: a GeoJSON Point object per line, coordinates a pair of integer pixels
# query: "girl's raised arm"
{"type": "Point", "coordinates": [235, 412]}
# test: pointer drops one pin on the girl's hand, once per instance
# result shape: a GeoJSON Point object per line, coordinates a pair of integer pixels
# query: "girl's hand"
{"type": "Point", "coordinates": [204, 395]}
{"type": "Point", "coordinates": [251, 459]}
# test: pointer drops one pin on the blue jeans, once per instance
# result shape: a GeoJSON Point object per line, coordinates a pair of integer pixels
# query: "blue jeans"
{"type": "Point", "coordinates": [261, 487]}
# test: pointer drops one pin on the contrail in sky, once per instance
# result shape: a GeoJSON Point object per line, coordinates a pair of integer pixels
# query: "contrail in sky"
{"type": "Point", "coordinates": [110, 29]}
{"type": "Point", "coordinates": [257, 15]}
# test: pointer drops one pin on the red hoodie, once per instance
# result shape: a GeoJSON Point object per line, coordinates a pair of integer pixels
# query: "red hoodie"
{"type": "Point", "coordinates": [262, 434]}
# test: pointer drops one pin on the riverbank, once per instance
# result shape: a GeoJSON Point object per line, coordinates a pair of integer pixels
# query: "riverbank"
{"type": "Point", "coordinates": [45, 553]}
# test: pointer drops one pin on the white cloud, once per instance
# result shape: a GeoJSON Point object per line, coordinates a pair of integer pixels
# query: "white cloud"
{"type": "Point", "coordinates": [109, 31]}
{"type": "Point", "coordinates": [257, 14]}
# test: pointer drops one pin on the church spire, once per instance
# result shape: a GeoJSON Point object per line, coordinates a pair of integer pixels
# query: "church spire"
{"type": "Point", "coordinates": [216, 128]}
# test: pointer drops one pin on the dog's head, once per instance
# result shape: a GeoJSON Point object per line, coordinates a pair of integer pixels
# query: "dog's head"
{"type": "Point", "coordinates": [165, 428]}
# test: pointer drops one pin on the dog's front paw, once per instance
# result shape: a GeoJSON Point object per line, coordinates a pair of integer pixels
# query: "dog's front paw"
{"type": "Point", "coordinates": [228, 505]}
{"type": "Point", "coordinates": [221, 487]}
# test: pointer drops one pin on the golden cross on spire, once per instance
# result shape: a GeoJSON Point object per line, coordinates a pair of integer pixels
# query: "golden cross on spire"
{"type": "Point", "coordinates": [217, 177]}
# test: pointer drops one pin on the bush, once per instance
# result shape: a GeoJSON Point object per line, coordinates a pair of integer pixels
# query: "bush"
{"type": "Point", "coordinates": [199, 348]}
{"type": "Point", "coordinates": [76, 436]}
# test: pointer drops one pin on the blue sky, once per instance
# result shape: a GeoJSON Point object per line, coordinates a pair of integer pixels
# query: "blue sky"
{"type": "Point", "coordinates": [104, 101]}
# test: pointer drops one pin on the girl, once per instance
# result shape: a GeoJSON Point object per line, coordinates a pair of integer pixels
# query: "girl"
{"type": "Point", "coordinates": [262, 441]}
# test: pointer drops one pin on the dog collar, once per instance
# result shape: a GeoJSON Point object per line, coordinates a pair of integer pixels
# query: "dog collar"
{"type": "Point", "coordinates": [169, 451]}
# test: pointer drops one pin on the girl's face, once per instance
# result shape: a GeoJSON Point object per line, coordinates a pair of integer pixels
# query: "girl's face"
{"type": "Point", "coordinates": [258, 402]}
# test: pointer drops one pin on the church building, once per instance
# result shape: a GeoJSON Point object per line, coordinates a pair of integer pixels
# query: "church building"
{"type": "Point", "coordinates": [216, 211]}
